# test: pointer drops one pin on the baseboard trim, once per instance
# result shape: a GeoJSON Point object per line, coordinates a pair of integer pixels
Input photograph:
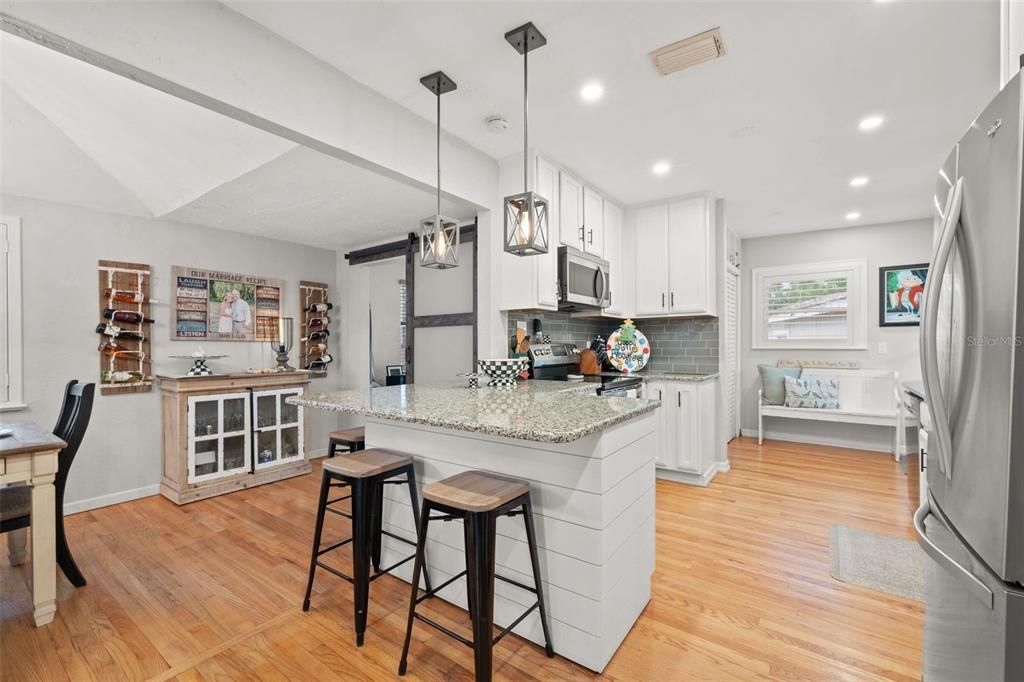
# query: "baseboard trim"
{"type": "Point", "coordinates": [112, 498]}
{"type": "Point", "coordinates": [317, 454]}
{"type": "Point", "coordinates": [701, 480]}
{"type": "Point", "coordinates": [724, 467]}
{"type": "Point", "coordinates": [814, 440]}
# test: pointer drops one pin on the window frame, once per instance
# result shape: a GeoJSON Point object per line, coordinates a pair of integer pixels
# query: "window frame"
{"type": "Point", "coordinates": [11, 308]}
{"type": "Point", "coordinates": [857, 305]}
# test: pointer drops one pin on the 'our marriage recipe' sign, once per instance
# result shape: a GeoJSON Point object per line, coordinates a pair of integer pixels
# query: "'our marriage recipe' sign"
{"type": "Point", "coordinates": [224, 306]}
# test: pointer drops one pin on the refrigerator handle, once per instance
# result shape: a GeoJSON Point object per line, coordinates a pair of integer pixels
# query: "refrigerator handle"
{"type": "Point", "coordinates": [969, 580]}
{"type": "Point", "coordinates": [929, 337]}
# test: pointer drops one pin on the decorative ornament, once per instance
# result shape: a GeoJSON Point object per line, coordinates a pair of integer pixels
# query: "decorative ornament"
{"type": "Point", "coordinates": [628, 348]}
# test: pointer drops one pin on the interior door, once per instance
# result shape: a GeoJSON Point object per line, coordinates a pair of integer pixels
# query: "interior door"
{"type": "Point", "coordinates": [730, 363]}
{"type": "Point", "coordinates": [977, 485]}
{"type": "Point", "coordinates": [651, 264]}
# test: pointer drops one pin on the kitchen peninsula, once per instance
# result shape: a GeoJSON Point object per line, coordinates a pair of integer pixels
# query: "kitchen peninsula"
{"type": "Point", "coordinates": [590, 464]}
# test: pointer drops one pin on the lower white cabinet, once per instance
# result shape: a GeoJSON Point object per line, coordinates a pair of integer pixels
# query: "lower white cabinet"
{"type": "Point", "coordinates": [686, 430]}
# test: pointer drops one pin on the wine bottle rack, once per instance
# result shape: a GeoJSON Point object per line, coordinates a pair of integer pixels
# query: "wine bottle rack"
{"type": "Point", "coordinates": [125, 277]}
{"type": "Point", "coordinates": [311, 293]}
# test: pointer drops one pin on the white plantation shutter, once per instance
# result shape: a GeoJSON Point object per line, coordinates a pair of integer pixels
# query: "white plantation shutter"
{"type": "Point", "coordinates": [731, 331]}
{"type": "Point", "coordinates": [10, 314]}
{"type": "Point", "coordinates": [401, 314]}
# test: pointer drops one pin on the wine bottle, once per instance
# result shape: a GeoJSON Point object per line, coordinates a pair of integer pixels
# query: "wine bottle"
{"type": "Point", "coordinates": [316, 350]}
{"type": "Point", "coordinates": [125, 296]}
{"type": "Point", "coordinates": [317, 323]}
{"type": "Point", "coordinates": [121, 377]}
{"type": "Point", "coordinates": [320, 362]}
{"type": "Point", "coordinates": [319, 307]}
{"type": "Point", "coordinates": [317, 336]}
{"type": "Point", "coordinates": [118, 333]}
{"type": "Point", "coordinates": [125, 316]}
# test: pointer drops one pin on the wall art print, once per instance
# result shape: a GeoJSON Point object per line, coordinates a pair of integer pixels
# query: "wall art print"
{"type": "Point", "coordinates": [224, 306]}
{"type": "Point", "coordinates": [901, 294]}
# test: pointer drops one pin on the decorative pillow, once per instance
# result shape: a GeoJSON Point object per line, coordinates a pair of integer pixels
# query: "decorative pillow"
{"type": "Point", "coordinates": [820, 393]}
{"type": "Point", "coordinates": [773, 391]}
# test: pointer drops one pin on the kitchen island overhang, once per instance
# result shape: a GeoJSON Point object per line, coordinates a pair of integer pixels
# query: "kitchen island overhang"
{"type": "Point", "coordinates": [590, 465]}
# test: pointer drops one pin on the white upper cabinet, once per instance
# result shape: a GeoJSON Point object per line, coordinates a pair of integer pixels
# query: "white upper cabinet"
{"type": "Point", "coordinates": [650, 237]}
{"type": "Point", "coordinates": [674, 260]}
{"type": "Point", "coordinates": [547, 264]}
{"type": "Point", "coordinates": [570, 215]}
{"type": "Point", "coordinates": [615, 254]}
{"type": "Point", "coordinates": [593, 222]}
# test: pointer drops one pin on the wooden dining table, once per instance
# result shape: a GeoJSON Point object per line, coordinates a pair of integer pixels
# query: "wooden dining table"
{"type": "Point", "coordinates": [29, 455]}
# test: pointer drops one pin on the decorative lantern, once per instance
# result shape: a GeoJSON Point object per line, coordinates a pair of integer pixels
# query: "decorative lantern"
{"type": "Point", "coordinates": [439, 236]}
{"type": "Point", "coordinates": [526, 214]}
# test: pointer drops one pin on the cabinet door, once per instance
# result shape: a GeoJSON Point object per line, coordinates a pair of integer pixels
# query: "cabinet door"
{"type": "Point", "coordinates": [690, 248]}
{"type": "Point", "coordinates": [617, 276]}
{"type": "Point", "coordinates": [687, 428]}
{"type": "Point", "coordinates": [219, 441]}
{"type": "Point", "coordinates": [278, 427]}
{"type": "Point", "coordinates": [547, 264]}
{"type": "Point", "coordinates": [665, 437]}
{"type": "Point", "coordinates": [651, 260]}
{"type": "Point", "coordinates": [593, 222]}
{"type": "Point", "coordinates": [570, 214]}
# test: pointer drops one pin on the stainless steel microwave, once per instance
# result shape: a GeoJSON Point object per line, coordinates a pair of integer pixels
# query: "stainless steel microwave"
{"type": "Point", "coordinates": [582, 280]}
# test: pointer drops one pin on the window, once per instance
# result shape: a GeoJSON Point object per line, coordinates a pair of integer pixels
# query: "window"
{"type": "Point", "coordinates": [816, 305]}
{"type": "Point", "coordinates": [10, 314]}
{"type": "Point", "coordinates": [401, 314]}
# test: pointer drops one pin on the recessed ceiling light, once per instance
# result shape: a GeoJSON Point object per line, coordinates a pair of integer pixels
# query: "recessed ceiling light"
{"type": "Point", "coordinates": [661, 168]}
{"type": "Point", "coordinates": [871, 122]}
{"type": "Point", "coordinates": [858, 181]}
{"type": "Point", "coordinates": [591, 92]}
{"type": "Point", "coordinates": [852, 215]}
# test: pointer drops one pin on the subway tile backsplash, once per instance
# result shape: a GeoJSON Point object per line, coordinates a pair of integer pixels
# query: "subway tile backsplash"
{"type": "Point", "coordinates": [687, 345]}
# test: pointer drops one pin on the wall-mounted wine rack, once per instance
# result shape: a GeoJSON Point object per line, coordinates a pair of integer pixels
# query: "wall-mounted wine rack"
{"type": "Point", "coordinates": [126, 358]}
{"type": "Point", "coordinates": [314, 294]}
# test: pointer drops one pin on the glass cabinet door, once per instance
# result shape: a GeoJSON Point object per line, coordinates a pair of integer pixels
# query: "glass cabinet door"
{"type": "Point", "coordinates": [278, 427]}
{"type": "Point", "coordinates": [219, 441]}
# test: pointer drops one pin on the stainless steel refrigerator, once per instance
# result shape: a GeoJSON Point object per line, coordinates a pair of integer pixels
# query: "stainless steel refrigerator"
{"type": "Point", "coordinates": [972, 522]}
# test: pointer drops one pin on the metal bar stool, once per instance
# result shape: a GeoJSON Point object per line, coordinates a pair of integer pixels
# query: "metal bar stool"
{"type": "Point", "coordinates": [478, 498]}
{"type": "Point", "coordinates": [366, 473]}
{"type": "Point", "coordinates": [352, 440]}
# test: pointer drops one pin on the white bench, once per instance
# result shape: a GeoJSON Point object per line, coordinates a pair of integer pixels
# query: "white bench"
{"type": "Point", "coordinates": [866, 396]}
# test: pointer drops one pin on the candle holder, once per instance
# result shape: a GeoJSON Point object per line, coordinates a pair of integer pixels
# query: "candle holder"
{"type": "Point", "coordinates": [283, 342]}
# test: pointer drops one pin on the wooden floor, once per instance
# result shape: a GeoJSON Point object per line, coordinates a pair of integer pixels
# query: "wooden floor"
{"type": "Point", "coordinates": [212, 590]}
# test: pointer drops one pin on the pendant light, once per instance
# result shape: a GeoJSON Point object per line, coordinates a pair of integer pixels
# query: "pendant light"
{"type": "Point", "coordinates": [526, 214]}
{"type": "Point", "coordinates": [439, 236]}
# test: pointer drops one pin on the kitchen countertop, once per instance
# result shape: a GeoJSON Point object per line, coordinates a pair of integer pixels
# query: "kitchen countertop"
{"type": "Point", "coordinates": [915, 388]}
{"type": "Point", "coordinates": [542, 411]}
{"type": "Point", "coordinates": [667, 376]}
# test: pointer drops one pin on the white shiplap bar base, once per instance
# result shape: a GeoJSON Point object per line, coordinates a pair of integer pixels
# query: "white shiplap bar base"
{"type": "Point", "coordinates": [593, 502]}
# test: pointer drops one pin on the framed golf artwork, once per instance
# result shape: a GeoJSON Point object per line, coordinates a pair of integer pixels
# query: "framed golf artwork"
{"type": "Point", "coordinates": [901, 294]}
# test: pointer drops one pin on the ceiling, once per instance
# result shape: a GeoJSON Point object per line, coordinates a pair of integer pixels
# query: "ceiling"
{"type": "Point", "coordinates": [771, 127]}
{"type": "Point", "coordinates": [76, 134]}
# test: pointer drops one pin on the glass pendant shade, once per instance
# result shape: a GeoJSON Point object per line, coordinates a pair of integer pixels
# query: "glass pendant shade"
{"type": "Point", "coordinates": [526, 224]}
{"type": "Point", "coordinates": [439, 242]}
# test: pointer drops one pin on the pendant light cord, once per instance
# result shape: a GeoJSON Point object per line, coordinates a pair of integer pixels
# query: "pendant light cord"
{"type": "Point", "coordinates": [439, 147]}
{"type": "Point", "coordinates": [526, 115]}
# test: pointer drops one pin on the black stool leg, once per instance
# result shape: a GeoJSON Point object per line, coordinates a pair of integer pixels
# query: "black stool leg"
{"type": "Point", "coordinates": [480, 581]}
{"type": "Point", "coordinates": [363, 494]}
{"type": "Point", "coordinates": [321, 509]}
{"type": "Point", "coordinates": [331, 446]}
{"type": "Point", "coordinates": [410, 476]}
{"type": "Point", "coordinates": [531, 539]}
{"type": "Point", "coordinates": [422, 520]}
{"type": "Point", "coordinates": [377, 524]}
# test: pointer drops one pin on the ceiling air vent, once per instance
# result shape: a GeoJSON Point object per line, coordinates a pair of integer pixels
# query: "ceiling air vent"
{"type": "Point", "coordinates": [691, 51]}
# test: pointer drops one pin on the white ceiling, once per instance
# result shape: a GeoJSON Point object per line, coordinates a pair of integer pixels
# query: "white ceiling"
{"type": "Point", "coordinates": [311, 198]}
{"type": "Point", "coordinates": [771, 127]}
{"type": "Point", "coordinates": [78, 135]}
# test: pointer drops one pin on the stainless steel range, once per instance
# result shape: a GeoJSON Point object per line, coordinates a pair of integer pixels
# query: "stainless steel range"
{"type": "Point", "coordinates": [561, 362]}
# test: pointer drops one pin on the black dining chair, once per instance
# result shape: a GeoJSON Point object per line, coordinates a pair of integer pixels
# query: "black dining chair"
{"type": "Point", "coordinates": [16, 501]}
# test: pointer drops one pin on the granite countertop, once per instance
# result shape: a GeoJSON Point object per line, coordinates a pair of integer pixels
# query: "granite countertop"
{"type": "Point", "coordinates": [542, 411]}
{"type": "Point", "coordinates": [668, 376]}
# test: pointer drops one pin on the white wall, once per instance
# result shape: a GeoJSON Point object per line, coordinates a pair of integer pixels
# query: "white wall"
{"type": "Point", "coordinates": [882, 245]}
{"type": "Point", "coordinates": [121, 453]}
{"type": "Point", "coordinates": [1011, 38]}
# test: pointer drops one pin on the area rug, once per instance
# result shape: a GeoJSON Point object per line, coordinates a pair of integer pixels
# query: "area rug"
{"type": "Point", "coordinates": [878, 562]}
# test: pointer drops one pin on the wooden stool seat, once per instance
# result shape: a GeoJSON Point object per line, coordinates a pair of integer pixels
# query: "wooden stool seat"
{"type": "Point", "coordinates": [365, 463]}
{"type": "Point", "coordinates": [354, 435]}
{"type": "Point", "coordinates": [475, 491]}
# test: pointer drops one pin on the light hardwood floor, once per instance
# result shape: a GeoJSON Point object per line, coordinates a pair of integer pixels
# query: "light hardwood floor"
{"type": "Point", "coordinates": [212, 590]}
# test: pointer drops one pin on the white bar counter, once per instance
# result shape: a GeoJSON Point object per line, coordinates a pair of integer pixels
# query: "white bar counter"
{"type": "Point", "coordinates": [589, 461]}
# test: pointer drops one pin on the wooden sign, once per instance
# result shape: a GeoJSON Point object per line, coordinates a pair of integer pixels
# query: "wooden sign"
{"type": "Point", "coordinates": [224, 306]}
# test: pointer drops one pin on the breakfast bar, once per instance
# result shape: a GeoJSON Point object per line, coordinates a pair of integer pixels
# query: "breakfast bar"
{"type": "Point", "coordinates": [589, 461]}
